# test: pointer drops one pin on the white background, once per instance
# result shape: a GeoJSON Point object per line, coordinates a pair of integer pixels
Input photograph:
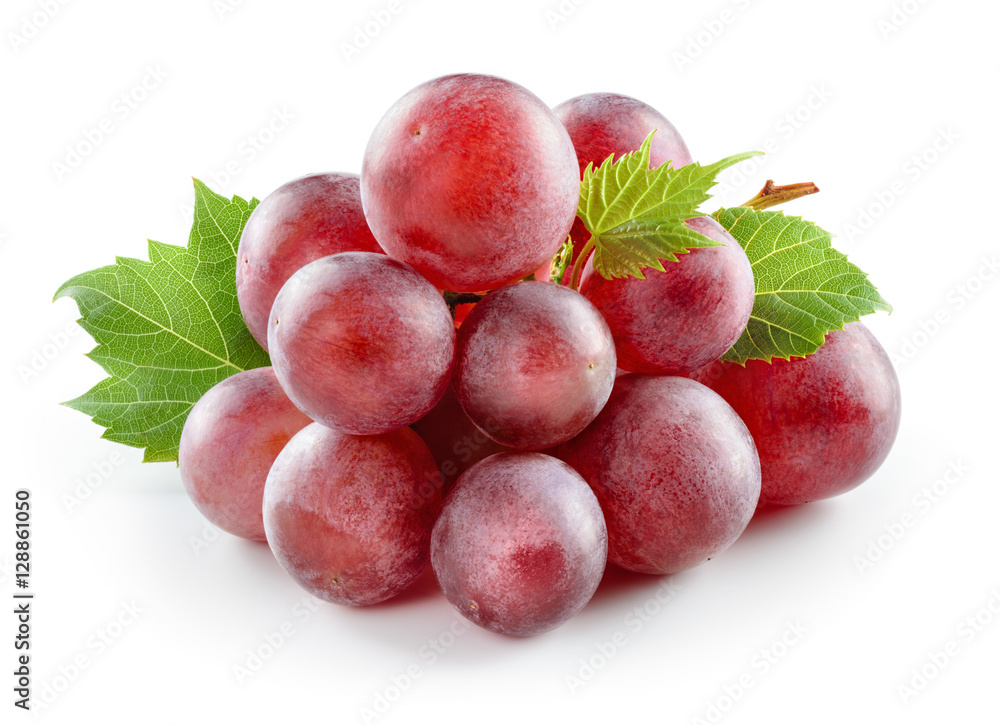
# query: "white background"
{"type": "Point", "coordinates": [880, 95]}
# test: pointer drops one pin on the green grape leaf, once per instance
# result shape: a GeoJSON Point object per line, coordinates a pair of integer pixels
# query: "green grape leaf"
{"type": "Point", "coordinates": [804, 288]}
{"type": "Point", "coordinates": [167, 330]}
{"type": "Point", "coordinates": [636, 214]}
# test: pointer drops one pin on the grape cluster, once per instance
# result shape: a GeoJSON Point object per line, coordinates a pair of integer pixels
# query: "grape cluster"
{"type": "Point", "coordinates": [436, 400]}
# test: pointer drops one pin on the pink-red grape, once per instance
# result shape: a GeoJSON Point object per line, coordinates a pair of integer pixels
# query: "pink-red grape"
{"type": "Point", "coordinates": [602, 124]}
{"type": "Point", "coordinates": [350, 517]}
{"type": "Point", "coordinates": [230, 439]}
{"type": "Point", "coordinates": [361, 342]}
{"type": "Point", "coordinates": [824, 423]}
{"type": "Point", "coordinates": [520, 545]}
{"type": "Point", "coordinates": [675, 471]}
{"type": "Point", "coordinates": [454, 440]}
{"type": "Point", "coordinates": [472, 180]}
{"type": "Point", "coordinates": [535, 364]}
{"type": "Point", "coordinates": [675, 321]}
{"type": "Point", "coordinates": [303, 220]}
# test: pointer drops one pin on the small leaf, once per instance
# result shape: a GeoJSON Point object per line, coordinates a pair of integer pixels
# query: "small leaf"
{"type": "Point", "coordinates": [804, 288]}
{"type": "Point", "coordinates": [636, 214]}
{"type": "Point", "coordinates": [644, 243]}
{"type": "Point", "coordinates": [167, 330]}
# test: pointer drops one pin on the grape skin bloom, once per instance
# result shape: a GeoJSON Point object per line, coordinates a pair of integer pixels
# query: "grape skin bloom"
{"type": "Point", "coordinates": [536, 363]}
{"type": "Point", "coordinates": [230, 439]}
{"type": "Point", "coordinates": [350, 517]}
{"type": "Point", "coordinates": [520, 545]}
{"type": "Point", "coordinates": [675, 470]}
{"type": "Point", "coordinates": [362, 343]}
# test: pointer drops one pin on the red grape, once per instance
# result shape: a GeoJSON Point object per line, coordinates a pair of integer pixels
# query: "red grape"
{"type": "Point", "coordinates": [824, 423]}
{"type": "Point", "coordinates": [602, 124]}
{"type": "Point", "coordinates": [361, 342]}
{"type": "Point", "coordinates": [535, 364]}
{"type": "Point", "coordinates": [453, 439]}
{"type": "Point", "coordinates": [350, 517]}
{"type": "Point", "coordinates": [230, 439]}
{"type": "Point", "coordinates": [675, 471]}
{"type": "Point", "coordinates": [677, 320]}
{"type": "Point", "coordinates": [472, 180]}
{"type": "Point", "coordinates": [303, 220]}
{"type": "Point", "coordinates": [520, 545]}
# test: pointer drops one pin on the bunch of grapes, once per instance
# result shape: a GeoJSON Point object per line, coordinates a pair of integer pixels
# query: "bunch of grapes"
{"type": "Point", "coordinates": [435, 399]}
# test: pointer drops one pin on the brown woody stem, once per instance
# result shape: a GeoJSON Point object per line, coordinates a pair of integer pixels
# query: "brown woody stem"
{"type": "Point", "coordinates": [772, 195]}
{"type": "Point", "coordinates": [454, 299]}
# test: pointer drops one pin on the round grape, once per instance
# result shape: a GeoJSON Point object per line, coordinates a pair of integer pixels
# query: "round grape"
{"type": "Point", "coordinates": [824, 423]}
{"type": "Point", "coordinates": [230, 439]}
{"type": "Point", "coordinates": [303, 220]}
{"type": "Point", "coordinates": [520, 545]}
{"type": "Point", "coordinates": [602, 124]}
{"type": "Point", "coordinates": [535, 365]}
{"type": "Point", "coordinates": [472, 180]}
{"type": "Point", "coordinates": [361, 342]}
{"type": "Point", "coordinates": [350, 517]}
{"type": "Point", "coordinates": [675, 470]}
{"type": "Point", "coordinates": [675, 321]}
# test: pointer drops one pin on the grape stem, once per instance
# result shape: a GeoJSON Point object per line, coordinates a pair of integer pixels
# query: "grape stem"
{"type": "Point", "coordinates": [574, 281]}
{"type": "Point", "coordinates": [772, 195]}
{"type": "Point", "coordinates": [454, 299]}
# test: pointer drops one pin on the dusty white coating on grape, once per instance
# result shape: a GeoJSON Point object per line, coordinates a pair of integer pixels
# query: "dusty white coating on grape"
{"type": "Point", "coordinates": [362, 342]}
{"type": "Point", "coordinates": [675, 470]}
{"type": "Point", "coordinates": [535, 364]}
{"type": "Point", "coordinates": [300, 221]}
{"type": "Point", "coordinates": [230, 439]}
{"type": "Point", "coordinates": [350, 517]}
{"type": "Point", "coordinates": [472, 180]}
{"type": "Point", "coordinates": [823, 423]}
{"type": "Point", "coordinates": [675, 321]}
{"type": "Point", "coordinates": [520, 545]}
